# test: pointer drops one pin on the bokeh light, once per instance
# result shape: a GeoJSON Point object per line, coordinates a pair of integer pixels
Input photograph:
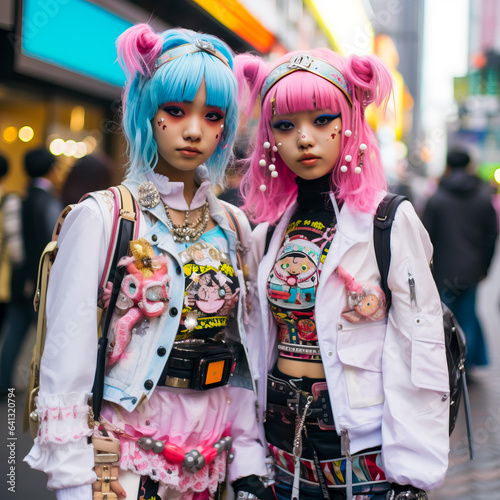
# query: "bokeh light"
{"type": "Point", "coordinates": [26, 133]}
{"type": "Point", "coordinates": [10, 134]}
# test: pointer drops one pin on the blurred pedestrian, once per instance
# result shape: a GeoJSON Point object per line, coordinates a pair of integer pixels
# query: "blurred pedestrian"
{"type": "Point", "coordinates": [91, 173]}
{"type": "Point", "coordinates": [39, 213]}
{"type": "Point", "coordinates": [462, 224]}
{"type": "Point", "coordinates": [4, 254]}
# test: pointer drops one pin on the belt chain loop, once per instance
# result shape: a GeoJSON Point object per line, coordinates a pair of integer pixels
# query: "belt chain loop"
{"type": "Point", "coordinates": [297, 445]}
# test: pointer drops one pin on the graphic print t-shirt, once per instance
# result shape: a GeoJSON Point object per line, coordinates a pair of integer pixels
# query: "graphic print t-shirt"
{"type": "Point", "coordinates": [293, 281]}
{"type": "Point", "coordinates": [211, 286]}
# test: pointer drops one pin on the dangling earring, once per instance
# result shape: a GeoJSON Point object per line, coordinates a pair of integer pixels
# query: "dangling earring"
{"type": "Point", "coordinates": [272, 167]}
{"type": "Point", "coordinates": [362, 148]}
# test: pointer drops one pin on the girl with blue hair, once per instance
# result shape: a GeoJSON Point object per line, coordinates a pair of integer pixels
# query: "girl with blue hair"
{"type": "Point", "coordinates": [179, 406]}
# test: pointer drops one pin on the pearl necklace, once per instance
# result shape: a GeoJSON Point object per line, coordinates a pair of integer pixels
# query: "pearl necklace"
{"type": "Point", "coordinates": [189, 231]}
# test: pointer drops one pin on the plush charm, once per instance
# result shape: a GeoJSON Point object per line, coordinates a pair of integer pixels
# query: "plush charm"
{"type": "Point", "coordinates": [365, 301]}
{"type": "Point", "coordinates": [143, 294]}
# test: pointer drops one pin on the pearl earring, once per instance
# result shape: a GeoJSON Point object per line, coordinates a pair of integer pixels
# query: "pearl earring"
{"type": "Point", "coordinates": [271, 167]}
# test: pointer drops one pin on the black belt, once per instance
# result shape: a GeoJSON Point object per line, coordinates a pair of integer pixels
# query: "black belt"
{"type": "Point", "coordinates": [198, 367]}
{"type": "Point", "coordinates": [288, 397]}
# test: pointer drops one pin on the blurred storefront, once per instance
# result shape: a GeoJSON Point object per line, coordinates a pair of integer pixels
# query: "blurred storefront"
{"type": "Point", "coordinates": [477, 93]}
{"type": "Point", "coordinates": [60, 82]}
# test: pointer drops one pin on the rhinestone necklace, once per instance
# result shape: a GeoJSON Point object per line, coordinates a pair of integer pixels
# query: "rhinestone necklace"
{"type": "Point", "coordinates": [189, 231]}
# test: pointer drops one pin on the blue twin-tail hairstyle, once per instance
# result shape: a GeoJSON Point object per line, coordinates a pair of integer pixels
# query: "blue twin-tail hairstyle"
{"type": "Point", "coordinates": [149, 85]}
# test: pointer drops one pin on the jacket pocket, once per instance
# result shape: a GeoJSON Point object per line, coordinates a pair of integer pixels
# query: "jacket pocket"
{"type": "Point", "coordinates": [360, 350]}
{"type": "Point", "coordinates": [429, 368]}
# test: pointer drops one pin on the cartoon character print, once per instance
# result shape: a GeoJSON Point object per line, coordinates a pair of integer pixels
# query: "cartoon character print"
{"type": "Point", "coordinates": [212, 290]}
{"type": "Point", "coordinates": [295, 327]}
{"type": "Point", "coordinates": [365, 301]}
{"type": "Point", "coordinates": [143, 295]}
{"type": "Point", "coordinates": [294, 278]}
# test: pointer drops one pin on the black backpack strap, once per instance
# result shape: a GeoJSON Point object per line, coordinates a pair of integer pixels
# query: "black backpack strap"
{"type": "Point", "coordinates": [126, 227]}
{"type": "Point", "coordinates": [382, 224]}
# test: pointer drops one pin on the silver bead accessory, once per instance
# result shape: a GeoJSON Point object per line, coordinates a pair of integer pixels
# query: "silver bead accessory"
{"type": "Point", "coordinates": [159, 446]}
{"type": "Point", "coordinates": [146, 443]}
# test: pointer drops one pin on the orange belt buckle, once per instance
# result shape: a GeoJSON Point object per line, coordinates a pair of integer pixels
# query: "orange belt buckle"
{"type": "Point", "coordinates": [215, 371]}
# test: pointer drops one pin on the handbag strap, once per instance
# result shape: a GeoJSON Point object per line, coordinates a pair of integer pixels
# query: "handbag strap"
{"type": "Point", "coordinates": [124, 227]}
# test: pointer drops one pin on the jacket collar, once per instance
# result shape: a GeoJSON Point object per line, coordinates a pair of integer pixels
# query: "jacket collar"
{"type": "Point", "coordinates": [167, 189]}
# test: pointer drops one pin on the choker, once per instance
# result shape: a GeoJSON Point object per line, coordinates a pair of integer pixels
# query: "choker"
{"type": "Point", "coordinates": [189, 231]}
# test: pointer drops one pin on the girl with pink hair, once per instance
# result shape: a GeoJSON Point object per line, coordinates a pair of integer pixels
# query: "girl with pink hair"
{"type": "Point", "coordinates": [355, 391]}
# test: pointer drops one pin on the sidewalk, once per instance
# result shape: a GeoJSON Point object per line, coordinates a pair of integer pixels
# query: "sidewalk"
{"type": "Point", "coordinates": [480, 479]}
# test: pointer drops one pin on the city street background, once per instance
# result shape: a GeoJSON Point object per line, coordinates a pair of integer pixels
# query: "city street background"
{"type": "Point", "coordinates": [60, 89]}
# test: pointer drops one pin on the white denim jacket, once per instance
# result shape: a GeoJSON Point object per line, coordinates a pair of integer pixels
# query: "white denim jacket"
{"type": "Point", "coordinates": [387, 380]}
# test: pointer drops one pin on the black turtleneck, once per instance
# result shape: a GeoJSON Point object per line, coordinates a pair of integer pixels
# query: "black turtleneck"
{"type": "Point", "coordinates": [314, 194]}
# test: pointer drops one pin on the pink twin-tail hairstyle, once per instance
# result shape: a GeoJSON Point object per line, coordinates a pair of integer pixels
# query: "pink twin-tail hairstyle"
{"type": "Point", "coordinates": [369, 80]}
{"type": "Point", "coordinates": [148, 87]}
{"type": "Point", "coordinates": [139, 49]}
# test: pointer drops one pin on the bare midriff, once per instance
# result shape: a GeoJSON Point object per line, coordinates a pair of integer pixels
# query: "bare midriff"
{"type": "Point", "coordinates": [299, 369]}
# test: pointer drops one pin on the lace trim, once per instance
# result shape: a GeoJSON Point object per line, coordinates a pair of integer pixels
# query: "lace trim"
{"type": "Point", "coordinates": [62, 424]}
{"type": "Point", "coordinates": [158, 468]}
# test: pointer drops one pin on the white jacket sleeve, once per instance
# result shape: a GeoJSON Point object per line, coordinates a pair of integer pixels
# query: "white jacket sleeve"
{"type": "Point", "coordinates": [247, 432]}
{"type": "Point", "coordinates": [249, 451]}
{"type": "Point", "coordinates": [415, 440]}
{"type": "Point", "coordinates": [61, 448]}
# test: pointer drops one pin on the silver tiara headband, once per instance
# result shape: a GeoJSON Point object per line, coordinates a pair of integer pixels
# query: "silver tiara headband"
{"type": "Point", "coordinates": [304, 62]}
{"type": "Point", "coordinates": [190, 48]}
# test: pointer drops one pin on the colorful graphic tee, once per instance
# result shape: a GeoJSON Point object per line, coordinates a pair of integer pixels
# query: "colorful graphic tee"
{"type": "Point", "coordinates": [293, 281]}
{"type": "Point", "coordinates": [211, 287]}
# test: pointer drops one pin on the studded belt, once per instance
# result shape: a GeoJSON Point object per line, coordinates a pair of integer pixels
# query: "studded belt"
{"type": "Point", "coordinates": [287, 397]}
